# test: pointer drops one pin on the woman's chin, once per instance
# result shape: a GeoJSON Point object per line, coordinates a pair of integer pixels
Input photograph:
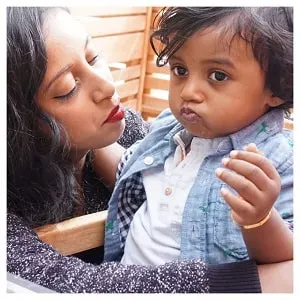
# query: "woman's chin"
{"type": "Point", "coordinates": [112, 137]}
{"type": "Point", "coordinates": [120, 130]}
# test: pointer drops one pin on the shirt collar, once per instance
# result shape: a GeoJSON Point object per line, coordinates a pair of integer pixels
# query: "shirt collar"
{"type": "Point", "coordinates": [261, 129]}
{"type": "Point", "coordinates": [268, 124]}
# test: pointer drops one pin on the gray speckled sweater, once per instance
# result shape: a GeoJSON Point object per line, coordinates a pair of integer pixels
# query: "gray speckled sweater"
{"type": "Point", "coordinates": [30, 258]}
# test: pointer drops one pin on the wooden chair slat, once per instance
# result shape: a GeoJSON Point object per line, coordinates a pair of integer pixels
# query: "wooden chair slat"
{"type": "Point", "coordinates": [129, 88]}
{"type": "Point", "coordinates": [120, 48]}
{"type": "Point", "coordinates": [75, 235]}
{"type": "Point", "coordinates": [127, 73]}
{"type": "Point", "coordinates": [97, 27]}
{"type": "Point", "coordinates": [155, 82]}
{"type": "Point", "coordinates": [106, 11]}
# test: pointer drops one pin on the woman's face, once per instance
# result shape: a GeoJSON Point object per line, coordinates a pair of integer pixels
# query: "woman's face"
{"type": "Point", "coordinates": [78, 89]}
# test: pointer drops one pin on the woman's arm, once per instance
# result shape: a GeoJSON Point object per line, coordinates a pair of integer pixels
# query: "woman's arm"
{"type": "Point", "coordinates": [38, 262]}
{"type": "Point", "coordinates": [245, 277]}
{"type": "Point", "coordinates": [106, 161]}
{"type": "Point", "coordinates": [277, 277]}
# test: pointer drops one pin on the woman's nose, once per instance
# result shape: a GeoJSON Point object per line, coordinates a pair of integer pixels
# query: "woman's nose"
{"type": "Point", "coordinates": [103, 85]}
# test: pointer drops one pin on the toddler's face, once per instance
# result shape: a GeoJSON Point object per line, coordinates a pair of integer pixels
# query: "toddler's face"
{"type": "Point", "coordinates": [216, 89]}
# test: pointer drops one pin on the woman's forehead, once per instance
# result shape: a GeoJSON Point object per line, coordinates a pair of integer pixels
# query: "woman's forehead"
{"type": "Point", "coordinates": [61, 27]}
{"type": "Point", "coordinates": [65, 41]}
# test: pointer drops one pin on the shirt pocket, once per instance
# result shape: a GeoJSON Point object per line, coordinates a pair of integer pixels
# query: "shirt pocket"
{"type": "Point", "coordinates": [226, 234]}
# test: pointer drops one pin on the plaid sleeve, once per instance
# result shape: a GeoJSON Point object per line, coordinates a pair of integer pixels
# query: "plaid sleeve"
{"type": "Point", "coordinates": [124, 159]}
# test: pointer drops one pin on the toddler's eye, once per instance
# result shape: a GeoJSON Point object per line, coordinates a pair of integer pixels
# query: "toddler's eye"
{"type": "Point", "coordinates": [180, 71]}
{"type": "Point", "coordinates": [218, 76]}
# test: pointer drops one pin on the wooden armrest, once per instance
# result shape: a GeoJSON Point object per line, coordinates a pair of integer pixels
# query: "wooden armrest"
{"type": "Point", "coordinates": [75, 235]}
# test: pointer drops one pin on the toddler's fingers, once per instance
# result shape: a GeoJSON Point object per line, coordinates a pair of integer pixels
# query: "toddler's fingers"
{"type": "Point", "coordinates": [240, 184]}
{"type": "Point", "coordinates": [253, 148]}
{"type": "Point", "coordinates": [237, 204]}
{"type": "Point", "coordinates": [260, 161]}
{"type": "Point", "coordinates": [250, 171]}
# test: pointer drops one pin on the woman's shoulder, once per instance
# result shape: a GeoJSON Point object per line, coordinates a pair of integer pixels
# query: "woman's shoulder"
{"type": "Point", "coordinates": [17, 229]}
{"type": "Point", "coordinates": [14, 223]}
{"type": "Point", "coordinates": [136, 128]}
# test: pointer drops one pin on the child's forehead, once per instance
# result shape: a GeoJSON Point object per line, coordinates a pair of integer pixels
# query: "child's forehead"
{"type": "Point", "coordinates": [216, 41]}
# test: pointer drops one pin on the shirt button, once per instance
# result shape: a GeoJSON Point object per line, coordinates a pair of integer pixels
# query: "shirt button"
{"type": "Point", "coordinates": [168, 191]}
{"type": "Point", "coordinates": [148, 160]}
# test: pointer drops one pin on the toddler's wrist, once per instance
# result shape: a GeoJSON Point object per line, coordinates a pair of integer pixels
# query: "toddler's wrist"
{"type": "Point", "coordinates": [253, 225]}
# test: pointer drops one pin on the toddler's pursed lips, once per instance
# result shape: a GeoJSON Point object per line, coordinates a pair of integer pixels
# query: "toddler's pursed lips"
{"type": "Point", "coordinates": [189, 116]}
{"type": "Point", "coordinates": [186, 110]}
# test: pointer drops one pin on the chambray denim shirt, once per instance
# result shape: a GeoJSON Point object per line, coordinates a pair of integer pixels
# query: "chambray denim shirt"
{"type": "Point", "coordinates": [207, 230]}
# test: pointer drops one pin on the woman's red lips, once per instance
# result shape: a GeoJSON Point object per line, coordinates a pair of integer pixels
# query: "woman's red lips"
{"type": "Point", "coordinates": [115, 115]}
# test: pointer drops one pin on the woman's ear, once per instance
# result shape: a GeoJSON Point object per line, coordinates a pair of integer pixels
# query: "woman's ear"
{"type": "Point", "coordinates": [274, 101]}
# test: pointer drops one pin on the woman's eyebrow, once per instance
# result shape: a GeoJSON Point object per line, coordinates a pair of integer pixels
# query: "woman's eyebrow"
{"type": "Point", "coordinates": [67, 67]}
{"type": "Point", "coordinates": [57, 75]}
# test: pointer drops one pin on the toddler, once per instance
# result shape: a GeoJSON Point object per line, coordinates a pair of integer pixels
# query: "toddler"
{"type": "Point", "coordinates": [191, 189]}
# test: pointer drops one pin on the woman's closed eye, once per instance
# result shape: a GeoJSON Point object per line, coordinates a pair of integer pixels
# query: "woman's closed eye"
{"type": "Point", "coordinates": [93, 60]}
{"type": "Point", "coordinates": [218, 76]}
{"type": "Point", "coordinates": [74, 90]}
{"type": "Point", "coordinates": [69, 94]}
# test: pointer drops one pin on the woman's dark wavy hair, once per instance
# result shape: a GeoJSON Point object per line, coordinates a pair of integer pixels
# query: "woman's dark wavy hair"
{"type": "Point", "coordinates": [269, 30]}
{"type": "Point", "coordinates": [41, 183]}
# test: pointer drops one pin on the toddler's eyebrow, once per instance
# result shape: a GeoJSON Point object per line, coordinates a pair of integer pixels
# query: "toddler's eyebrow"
{"type": "Point", "coordinates": [217, 60]}
{"type": "Point", "coordinates": [174, 57]}
{"type": "Point", "coordinates": [220, 61]}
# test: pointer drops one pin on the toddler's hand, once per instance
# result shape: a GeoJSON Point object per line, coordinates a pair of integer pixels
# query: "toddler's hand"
{"type": "Point", "coordinates": [256, 181]}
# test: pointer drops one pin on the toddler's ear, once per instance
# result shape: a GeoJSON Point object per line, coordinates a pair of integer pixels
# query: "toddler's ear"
{"type": "Point", "coordinates": [274, 101]}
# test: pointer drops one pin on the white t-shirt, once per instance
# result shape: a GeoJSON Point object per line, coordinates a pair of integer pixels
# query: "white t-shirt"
{"type": "Point", "coordinates": [155, 231]}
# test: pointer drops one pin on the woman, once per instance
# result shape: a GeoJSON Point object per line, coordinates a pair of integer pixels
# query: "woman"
{"type": "Point", "coordinates": [63, 112]}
